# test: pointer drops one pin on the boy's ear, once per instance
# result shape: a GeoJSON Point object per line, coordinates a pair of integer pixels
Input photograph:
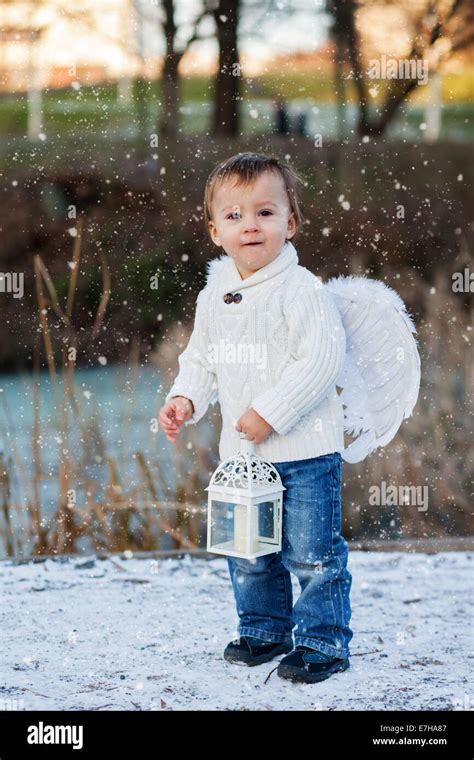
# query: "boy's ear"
{"type": "Point", "coordinates": [291, 229]}
{"type": "Point", "coordinates": [213, 233]}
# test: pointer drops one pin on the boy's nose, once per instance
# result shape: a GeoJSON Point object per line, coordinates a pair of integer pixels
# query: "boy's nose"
{"type": "Point", "coordinates": [250, 225]}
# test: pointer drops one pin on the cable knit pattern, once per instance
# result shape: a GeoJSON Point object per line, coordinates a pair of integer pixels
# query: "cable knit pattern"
{"type": "Point", "coordinates": [279, 350]}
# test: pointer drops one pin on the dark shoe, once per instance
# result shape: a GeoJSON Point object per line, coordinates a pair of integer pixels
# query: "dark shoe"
{"type": "Point", "coordinates": [310, 666]}
{"type": "Point", "coordinates": [248, 650]}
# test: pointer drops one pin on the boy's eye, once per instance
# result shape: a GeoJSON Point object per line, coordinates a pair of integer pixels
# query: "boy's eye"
{"type": "Point", "coordinates": [236, 214]}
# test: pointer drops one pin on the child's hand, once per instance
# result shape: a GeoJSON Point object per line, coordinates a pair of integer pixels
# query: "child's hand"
{"type": "Point", "coordinates": [256, 428]}
{"type": "Point", "coordinates": [174, 414]}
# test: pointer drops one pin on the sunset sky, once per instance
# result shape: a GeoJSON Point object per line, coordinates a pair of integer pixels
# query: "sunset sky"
{"type": "Point", "coordinates": [112, 34]}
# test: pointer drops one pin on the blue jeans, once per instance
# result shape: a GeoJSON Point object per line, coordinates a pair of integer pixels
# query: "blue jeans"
{"type": "Point", "coordinates": [313, 550]}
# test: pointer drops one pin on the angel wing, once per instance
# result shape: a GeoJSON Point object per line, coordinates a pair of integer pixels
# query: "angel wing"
{"type": "Point", "coordinates": [380, 378]}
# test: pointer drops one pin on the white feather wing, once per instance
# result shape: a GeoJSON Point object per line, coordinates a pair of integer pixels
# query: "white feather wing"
{"type": "Point", "coordinates": [380, 379]}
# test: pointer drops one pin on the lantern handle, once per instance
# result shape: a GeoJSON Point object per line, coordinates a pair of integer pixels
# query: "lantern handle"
{"type": "Point", "coordinates": [246, 447]}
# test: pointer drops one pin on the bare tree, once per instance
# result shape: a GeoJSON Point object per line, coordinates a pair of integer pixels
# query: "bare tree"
{"type": "Point", "coordinates": [339, 12]}
{"type": "Point", "coordinates": [440, 29]}
{"type": "Point", "coordinates": [226, 120]}
{"type": "Point", "coordinates": [170, 80]}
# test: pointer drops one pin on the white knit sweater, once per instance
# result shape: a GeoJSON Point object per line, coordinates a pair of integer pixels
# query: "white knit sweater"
{"type": "Point", "coordinates": [278, 350]}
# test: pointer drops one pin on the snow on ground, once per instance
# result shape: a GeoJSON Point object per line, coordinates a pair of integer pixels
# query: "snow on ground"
{"type": "Point", "coordinates": [126, 634]}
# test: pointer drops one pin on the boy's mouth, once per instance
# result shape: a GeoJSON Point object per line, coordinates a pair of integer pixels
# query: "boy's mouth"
{"type": "Point", "coordinates": [256, 243]}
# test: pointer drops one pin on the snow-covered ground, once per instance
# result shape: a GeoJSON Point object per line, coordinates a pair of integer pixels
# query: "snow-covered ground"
{"type": "Point", "coordinates": [125, 634]}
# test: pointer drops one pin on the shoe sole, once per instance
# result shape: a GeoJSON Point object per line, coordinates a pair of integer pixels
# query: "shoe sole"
{"type": "Point", "coordinates": [295, 674]}
{"type": "Point", "coordinates": [246, 659]}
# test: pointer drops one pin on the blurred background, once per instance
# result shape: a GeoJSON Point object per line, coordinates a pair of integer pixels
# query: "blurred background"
{"type": "Point", "coordinates": [112, 115]}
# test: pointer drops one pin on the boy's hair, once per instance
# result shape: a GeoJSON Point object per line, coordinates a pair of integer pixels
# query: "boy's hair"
{"type": "Point", "coordinates": [246, 167]}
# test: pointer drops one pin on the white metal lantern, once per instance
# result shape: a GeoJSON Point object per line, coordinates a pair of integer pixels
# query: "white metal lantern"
{"type": "Point", "coordinates": [244, 517]}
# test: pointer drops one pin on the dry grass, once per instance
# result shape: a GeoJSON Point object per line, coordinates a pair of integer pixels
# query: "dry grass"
{"type": "Point", "coordinates": [126, 517]}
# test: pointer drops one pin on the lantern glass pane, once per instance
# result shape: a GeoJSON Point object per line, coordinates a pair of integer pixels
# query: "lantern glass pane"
{"type": "Point", "coordinates": [267, 519]}
{"type": "Point", "coordinates": [228, 529]}
{"type": "Point", "coordinates": [222, 522]}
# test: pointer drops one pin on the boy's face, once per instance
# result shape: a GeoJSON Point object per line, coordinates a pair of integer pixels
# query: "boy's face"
{"type": "Point", "coordinates": [252, 222]}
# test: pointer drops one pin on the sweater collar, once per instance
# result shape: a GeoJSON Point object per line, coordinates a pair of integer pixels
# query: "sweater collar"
{"type": "Point", "coordinates": [225, 271]}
